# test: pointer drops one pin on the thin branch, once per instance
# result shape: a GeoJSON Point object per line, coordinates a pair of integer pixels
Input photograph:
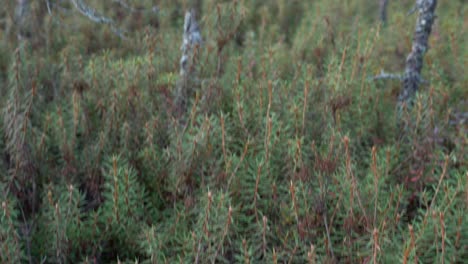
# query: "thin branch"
{"type": "Point", "coordinates": [90, 13]}
{"type": "Point", "coordinates": [385, 75]}
{"type": "Point", "coordinates": [330, 246]}
{"type": "Point", "coordinates": [61, 9]}
{"type": "Point", "coordinates": [95, 16]}
{"type": "Point", "coordinates": [124, 4]}
{"type": "Point", "coordinates": [48, 7]}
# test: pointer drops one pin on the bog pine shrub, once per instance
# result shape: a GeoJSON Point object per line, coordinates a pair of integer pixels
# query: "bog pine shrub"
{"type": "Point", "coordinates": [285, 153]}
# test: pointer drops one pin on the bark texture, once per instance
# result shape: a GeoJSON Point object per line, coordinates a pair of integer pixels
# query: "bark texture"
{"type": "Point", "coordinates": [191, 40]}
{"type": "Point", "coordinates": [414, 61]}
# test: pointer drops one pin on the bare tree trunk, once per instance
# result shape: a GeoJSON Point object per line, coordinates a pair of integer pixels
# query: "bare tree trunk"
{"type": "Point", "coordinates": [191, 40]}
{"type": "Point", "coordinates": [414, 61]}
{"type": "Point", "coordinates": [383, 10]}
{"type": "Point", "coordinates": [22, 16]}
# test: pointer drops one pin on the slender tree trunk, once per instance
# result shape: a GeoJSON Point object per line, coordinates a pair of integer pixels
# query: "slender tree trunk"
{"type": "Point", "coordinates": [414, 61]}
{"type": "Point", "coordinates": [191, 41]}
{"type": "Point", "coordinates": [22, 16]}
{"type": "Point", "coordinates": [383, 10]}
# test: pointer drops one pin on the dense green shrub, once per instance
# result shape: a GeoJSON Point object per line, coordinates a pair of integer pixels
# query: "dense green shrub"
{"type": "Point", "coordinates": [287, 153]}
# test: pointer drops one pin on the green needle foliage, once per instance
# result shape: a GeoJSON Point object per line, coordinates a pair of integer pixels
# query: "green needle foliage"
{"type": "Point", "coordinates": [285, 152]}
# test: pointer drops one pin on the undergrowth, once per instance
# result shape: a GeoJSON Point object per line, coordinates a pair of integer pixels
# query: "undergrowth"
{"type": "Point", "coordinates": [287, 153]}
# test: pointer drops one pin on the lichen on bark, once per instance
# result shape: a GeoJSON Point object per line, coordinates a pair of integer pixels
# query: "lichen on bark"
{"type": "Point", "coordinates": [414, 61]}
